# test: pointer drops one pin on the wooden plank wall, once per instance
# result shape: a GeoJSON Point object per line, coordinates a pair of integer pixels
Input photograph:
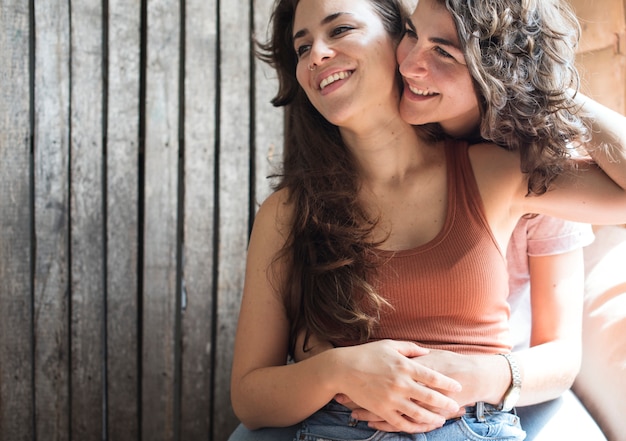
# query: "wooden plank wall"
{"type": "Point", "coordinates": [135, 138]}
{"type": "Point", "coordinates": [135, 141]}
{"type": "Point", "coordinates": [602, 53]}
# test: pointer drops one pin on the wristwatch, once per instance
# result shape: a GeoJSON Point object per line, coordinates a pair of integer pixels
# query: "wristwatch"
{"type": "Point", "coordinates": [512, 394]}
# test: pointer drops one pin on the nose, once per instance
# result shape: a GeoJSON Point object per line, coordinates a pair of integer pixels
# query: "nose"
{"type": "Point", "coordinates": [411, 61]}
{"type": "Point", "coordinates": [320, 52]}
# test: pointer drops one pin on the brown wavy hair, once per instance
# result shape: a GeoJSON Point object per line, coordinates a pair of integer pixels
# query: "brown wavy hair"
{"type": "Point", "coordinates": [521, 56]}
{"type": "Point", "coordinates": [329, 249]}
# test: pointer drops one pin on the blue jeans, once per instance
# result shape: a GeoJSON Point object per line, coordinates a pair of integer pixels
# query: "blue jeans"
{"type": "Point", "coordinates": [554, 416]}
{"type": "Point", "coordinates": [481, 422]}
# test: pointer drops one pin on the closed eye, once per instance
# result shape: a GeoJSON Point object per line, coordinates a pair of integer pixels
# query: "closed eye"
{"type": "Point", "coordinates": [340, 30]}
{"type": "Point", "coordinates": [409, 31]}
{"type": "Point", "coordinates": [442, 52]}
{"type": "Point", "coordinates": [303, 49]}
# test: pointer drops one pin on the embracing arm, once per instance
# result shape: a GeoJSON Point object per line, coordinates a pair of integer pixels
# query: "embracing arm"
{"type": "Point", "coordinates": [607, 146]}
{"type": "Point", "coordinates": [552, 362]}
{"type": "Point", "coordinates": [549, 366]}
{"type": "Point", "coordinates": [265, 391]}
{"type": "Point", "coordinates": [594, 192]}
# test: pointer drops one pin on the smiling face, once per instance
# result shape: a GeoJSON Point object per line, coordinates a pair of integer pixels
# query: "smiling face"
{"type": "Point", "coordinates": [437, 83]}
{"type": "Point", "coordinates": [346, 60]}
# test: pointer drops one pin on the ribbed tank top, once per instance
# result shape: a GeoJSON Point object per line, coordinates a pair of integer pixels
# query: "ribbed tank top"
{"type": "Point", "coordinates": [450, 293]}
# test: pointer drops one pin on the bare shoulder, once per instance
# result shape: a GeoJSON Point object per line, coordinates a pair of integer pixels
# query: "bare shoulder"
{"type": "Point", "coordinates": [272, 225]}
{"type": "Point", "coordinates": [276, 210]}
{"type": "Point", "coordinates": [495, 165]}
{"type": "Point", "coordinates": [492, 155]}
{"type": "Point", "coordinates": [502, 186]}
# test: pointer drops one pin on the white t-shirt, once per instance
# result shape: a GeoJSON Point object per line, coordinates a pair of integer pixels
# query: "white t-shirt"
{"type": "Point", "coordinates": [537, 236]}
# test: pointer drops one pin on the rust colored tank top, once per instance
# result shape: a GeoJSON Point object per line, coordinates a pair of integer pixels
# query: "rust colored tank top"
{"type": "Point", "coordinates": [450, 293]}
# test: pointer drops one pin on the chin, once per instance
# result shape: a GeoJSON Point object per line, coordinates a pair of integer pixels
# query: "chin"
{"type": "Point", "coordinates": [412, 116]}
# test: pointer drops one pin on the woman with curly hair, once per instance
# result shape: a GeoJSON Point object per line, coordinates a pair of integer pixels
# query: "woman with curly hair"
{"type": "Point", "coordinates": [379, 231]}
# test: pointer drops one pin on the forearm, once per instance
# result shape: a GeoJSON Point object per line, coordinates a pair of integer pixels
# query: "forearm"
{"type": "Point", "coordinates": [280, 396]}
{"type": "Point", "coordinates": [549, 370]}
{"type": "Point", "coordinates": [379, 376]}
{"type": "Point", "coordinates": [607, 145]}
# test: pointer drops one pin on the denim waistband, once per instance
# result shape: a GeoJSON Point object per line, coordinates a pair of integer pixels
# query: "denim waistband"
{"type": "Point", "coordinates": [480, 409]}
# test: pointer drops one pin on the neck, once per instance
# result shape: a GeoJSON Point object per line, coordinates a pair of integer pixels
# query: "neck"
{"type": "Point", "coordinates": [385, 155]}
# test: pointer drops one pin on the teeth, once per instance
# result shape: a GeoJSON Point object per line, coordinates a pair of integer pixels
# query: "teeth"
{"type": "Point", "coordinates": [421, 92]}
{"type": "Point", "coordinates": [336, 77]}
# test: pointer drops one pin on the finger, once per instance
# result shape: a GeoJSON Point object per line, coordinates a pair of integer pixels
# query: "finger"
{"type": "Point", "coordinates": [346, 401]}
{"type": "Point", "coordinates": [434, 379]}
{"type": "Point", "coordinates": [444, 413]}
{"type": "Point", "coordinates": [433, 399]}
{"type": "Point", "coordinates": [412, 417]}
{"type": "Point", "coordinates": [408, 348]}
{"type": "Point", "coordinates": [365, 415]}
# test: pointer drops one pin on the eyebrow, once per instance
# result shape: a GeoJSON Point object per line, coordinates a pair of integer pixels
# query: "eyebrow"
{"type": "Point", "coordinates": [302, 32]}
{"type": "Point", "coordinates": [436, 40]}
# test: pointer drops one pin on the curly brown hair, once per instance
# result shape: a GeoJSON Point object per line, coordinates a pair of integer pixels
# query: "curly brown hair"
{"type": "Point", "coordinates": [521, 56]}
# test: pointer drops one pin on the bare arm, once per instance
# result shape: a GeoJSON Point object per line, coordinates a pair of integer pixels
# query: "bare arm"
{"type": "Point", "coordinates": [549, 366]}
{"type": "Point", "coordinates": [595, 193]}
{"type": "Point", "coordinates": [607, 146]}
{"type": "Point", "coordinates": [553, 361]}
{"type": "Point", "coordinates": [265, 391]}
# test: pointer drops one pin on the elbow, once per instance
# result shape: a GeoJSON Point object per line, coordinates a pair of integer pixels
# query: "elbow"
{"type": "Point", "coordinates": [247, 420]}
{"type": "Point", "coordinates": [250, 415]}
{"type": "Point", "coordinates": [241, 411]}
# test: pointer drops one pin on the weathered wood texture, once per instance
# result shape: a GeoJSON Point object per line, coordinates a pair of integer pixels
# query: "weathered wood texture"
{"type": "Point", "coordinates": [135, 141]}
{"type": "Point", "coordinates": [602, 55]}
{"type": "Point", "coordinates": [16, 318]}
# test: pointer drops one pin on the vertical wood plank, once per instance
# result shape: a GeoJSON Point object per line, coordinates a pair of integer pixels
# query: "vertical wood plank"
{"type": "Point", "coordinates": [16, 406]}
{"type": "Point", "coordinates": [603, 72]}
{"type": "Point", "coordinates": [268, 120]}
{"type": "Point", "coordinates": [87, 221]}
{"type": "Point", "coordinates": [600, 25]}
{"type": "Point", "coordinates": [234, 198]}
{"type": "Point", "coordinates": [51, 200]}
{"type": "Point", "coordinates": [160, 227]}
{"type": "Point", "coordinates": [601, 60]}
{"type": "Point", "coordinates": [199, 209]}
{"type": "Point", "coordinates": [124, 29]}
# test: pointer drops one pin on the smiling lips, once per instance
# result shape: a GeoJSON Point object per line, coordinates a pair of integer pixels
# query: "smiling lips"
{"type": "Point", "coordinates": [334, 77]}
{"type": "Point", "coordinates": [421, 92]}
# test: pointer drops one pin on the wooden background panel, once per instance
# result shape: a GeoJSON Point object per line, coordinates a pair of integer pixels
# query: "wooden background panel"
{"type": "Point", "coordinates": [600, 23]}
{"type": "Point", "coordinates": [602, 75]}
{"type": "Point", "coordinates": [602, 53]}
{"type": "Point", "coordinates": [16, 406]}
{"type": "Point", "coordinates": [234, 198]}
{"type": "Point", "coordinates": [51, 204]}
{"type": "Point", "coordinates": [160, 315]}
{"type": "Point", "coordinates": [87, 221]}
{"type": "Point", "coordinates": [199, 218]}
{"type": "Point", "coordinates": [122, 214]}
{"type": "Point", "coordinates": [268, 120]}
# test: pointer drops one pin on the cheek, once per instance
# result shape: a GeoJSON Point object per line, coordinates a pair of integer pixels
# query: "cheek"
{"type": "Point", "coordinates": [301, 73]}
{"type": "Point", "coordinates": [386, 58]}
{"type": "Point", "coordinates": [402, 51]}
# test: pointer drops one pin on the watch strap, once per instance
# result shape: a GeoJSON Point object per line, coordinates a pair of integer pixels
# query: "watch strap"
{"type": "Point", "coordinates": [516, 382]}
